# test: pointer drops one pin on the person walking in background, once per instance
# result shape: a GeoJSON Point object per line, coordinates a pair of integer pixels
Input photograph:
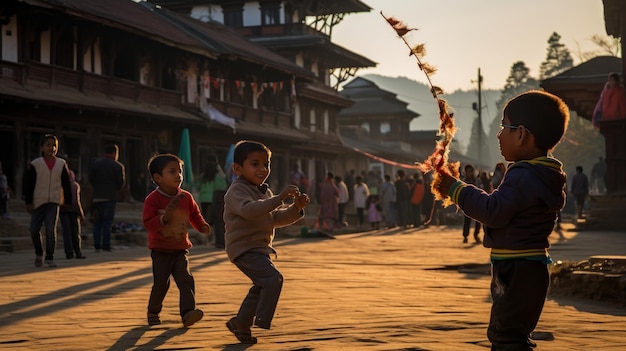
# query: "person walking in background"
{"type": "Point", "coordinates": [520, 216]}
{"type": "Point", "coordinates": [329, 203]}
{"type": "Point", "coordinates": [388, 200]}
{"type": "Point", "coordinates": [374, 215]}
{"type": "Point", "coordinates": [251, 213]}
{"type": "Point", "coordinates": [580, 189]}
{"type": "Point", "coordinates": [107, 177]}
{"type": "Point", "coordinates": [344, 198]}
{"type": "Point", "coordinates": [417, 196]}
{"type": "Point", "coordinates": [212, 182]}
{"type": "Point", "coordinates": [47, 186]}
{"type": "Point", "coordinates": [403, 199]}
{"type": "Point", "coordinates": [349, 179]}
{"type": "Point", "coordinates": [167, 213]}
{"type": "Point", "coordinates": [361, 192]}
{"type": "Point", "coordinates": [71, 215]}
{"type": "Point", "coordinates": [470, 178]}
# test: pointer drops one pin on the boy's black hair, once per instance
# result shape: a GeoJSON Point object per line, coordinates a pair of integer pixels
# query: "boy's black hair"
{"type": "Point", "coordinates": [579, 169]}
{"type": "Point", "coordinates": [244, 148]}
{"type": "Point", "coordinates": [46, 137]}
{"type": "Point", "coordinates": [543, 114]}
{"type": "Point", "coordinates": [157, 163]}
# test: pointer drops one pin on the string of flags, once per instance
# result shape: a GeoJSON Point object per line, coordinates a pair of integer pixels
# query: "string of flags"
{"type": "Point", "coordinates": [258, 89]}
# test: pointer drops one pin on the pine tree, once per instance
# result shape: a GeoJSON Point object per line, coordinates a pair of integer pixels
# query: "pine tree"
{"type": "Point", "coordinates": [558, 58]}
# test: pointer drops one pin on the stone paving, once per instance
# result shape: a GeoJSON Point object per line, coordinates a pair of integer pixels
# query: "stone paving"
{"type": "Point", "coordinates": [378, 290]}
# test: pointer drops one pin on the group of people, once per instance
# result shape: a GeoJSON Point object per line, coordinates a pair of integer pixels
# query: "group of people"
{"type": "Point", "coordinates": [52, 194]}
{"type": "Point", "coordinates": [485, 181]}
{"type": "Point", "coordinates": [517, 218]}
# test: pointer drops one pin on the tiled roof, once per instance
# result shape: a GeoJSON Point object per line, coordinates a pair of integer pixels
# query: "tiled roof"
{"type": "Point", "coordinates": [370, 100]}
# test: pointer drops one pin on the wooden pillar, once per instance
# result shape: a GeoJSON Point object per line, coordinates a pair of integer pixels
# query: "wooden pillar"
{"type": "Point", "coordinates": [613, 132]}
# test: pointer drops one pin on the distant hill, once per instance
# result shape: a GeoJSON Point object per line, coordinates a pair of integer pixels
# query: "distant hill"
{"type": "Point", "coordinates": [420, 100]}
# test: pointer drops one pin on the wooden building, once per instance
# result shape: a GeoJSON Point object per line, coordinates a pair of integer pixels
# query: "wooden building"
{"type": "Point", "coordinates": [138, 74]}
{"type": "Point", "coordinates": [300, 31]}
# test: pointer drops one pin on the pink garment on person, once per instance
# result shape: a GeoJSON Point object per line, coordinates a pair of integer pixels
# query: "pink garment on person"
{"type": "Point", "coordinates": [611, 105]}
{"type": "Point", "coordinates": [374, 215]}
{"type": "Point", "coordinates": [329, 198]}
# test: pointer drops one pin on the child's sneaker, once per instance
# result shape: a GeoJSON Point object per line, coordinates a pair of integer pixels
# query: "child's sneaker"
{"type": "Point", "coordinates": [50, 263]}
{"type": "Point", "coordinates": [153, 319]}
{"type": "Point", "coordinates": [38, 261]}
{"type": "Point", "coordinates": [191, 317]}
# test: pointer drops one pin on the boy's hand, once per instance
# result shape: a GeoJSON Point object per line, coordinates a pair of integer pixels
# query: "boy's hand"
{"type": "Point", "coordinates": [301, 201]}
{"type": "Point", "coordinates": [446, 182]}
{"type": "Point", "coordinates": [171, 207]}
{"type": "Point", "coordinates": [207, 230]}
{"type": "Point", "coordinates": [289, 191]}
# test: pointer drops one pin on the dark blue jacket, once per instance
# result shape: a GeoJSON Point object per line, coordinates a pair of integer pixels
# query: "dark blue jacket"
{"type": "Point", "coordinates": [107, 176]}
{"type": "Point", "coordinates": [521, 213]}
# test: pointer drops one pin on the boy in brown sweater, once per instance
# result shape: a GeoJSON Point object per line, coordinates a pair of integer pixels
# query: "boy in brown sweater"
{"type": "Point", "coordinates": [251, 213]}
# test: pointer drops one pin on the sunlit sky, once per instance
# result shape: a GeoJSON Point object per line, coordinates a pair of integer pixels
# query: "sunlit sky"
{"type": "Point", "coordinates": [464, 35]}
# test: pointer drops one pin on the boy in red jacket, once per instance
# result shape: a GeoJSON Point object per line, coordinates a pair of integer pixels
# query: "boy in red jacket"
{"type": "Point", "coordinates": [167, 213]}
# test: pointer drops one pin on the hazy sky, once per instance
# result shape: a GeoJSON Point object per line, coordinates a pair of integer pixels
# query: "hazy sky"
{"type": "Point", "coordinates": [464, 35]}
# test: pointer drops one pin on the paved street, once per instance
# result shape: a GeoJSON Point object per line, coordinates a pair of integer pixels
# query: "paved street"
{"type": "Point", "coordinates": [377, 290]}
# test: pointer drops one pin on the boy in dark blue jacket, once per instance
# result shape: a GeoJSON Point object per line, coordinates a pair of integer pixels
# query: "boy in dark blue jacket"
{"type": "Point", "coordinates": [519, 215]}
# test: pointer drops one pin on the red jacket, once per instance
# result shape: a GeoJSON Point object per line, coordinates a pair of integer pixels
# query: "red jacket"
{"type": "Point", "coordinates": [174, 235]}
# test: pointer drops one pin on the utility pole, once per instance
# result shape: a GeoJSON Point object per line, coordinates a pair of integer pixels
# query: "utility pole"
{"type": "Point", "coordinates": [478, 108]}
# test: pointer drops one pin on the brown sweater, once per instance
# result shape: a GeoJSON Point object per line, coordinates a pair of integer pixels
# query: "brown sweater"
{"type": "Point", "coordinates": [250, 217]}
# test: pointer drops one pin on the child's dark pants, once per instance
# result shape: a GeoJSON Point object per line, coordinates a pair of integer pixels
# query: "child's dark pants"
{"type": "Point", "coordinates": [263, 296]}
{"type": "Point", "coordinates": [176, 264]}
{"type": "Point", "coordinates": [518, 290]}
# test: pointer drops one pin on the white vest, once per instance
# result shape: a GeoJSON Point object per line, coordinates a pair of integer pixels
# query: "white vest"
{"type": "Point", "coordinates": [48, 186]}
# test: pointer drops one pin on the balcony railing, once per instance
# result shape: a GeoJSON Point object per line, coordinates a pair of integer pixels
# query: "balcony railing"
{"type": "Point", "coordinates": [38, 74]}
{"type": "Point", "coordinates": [287, 29]}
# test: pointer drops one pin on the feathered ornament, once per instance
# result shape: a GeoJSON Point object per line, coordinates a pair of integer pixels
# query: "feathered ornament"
{"type": "Point", "coordinates": [438, 160]}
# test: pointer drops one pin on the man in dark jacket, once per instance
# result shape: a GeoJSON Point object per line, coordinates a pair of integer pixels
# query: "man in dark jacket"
{"type": "Point", "coordinates": [107, 176]}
